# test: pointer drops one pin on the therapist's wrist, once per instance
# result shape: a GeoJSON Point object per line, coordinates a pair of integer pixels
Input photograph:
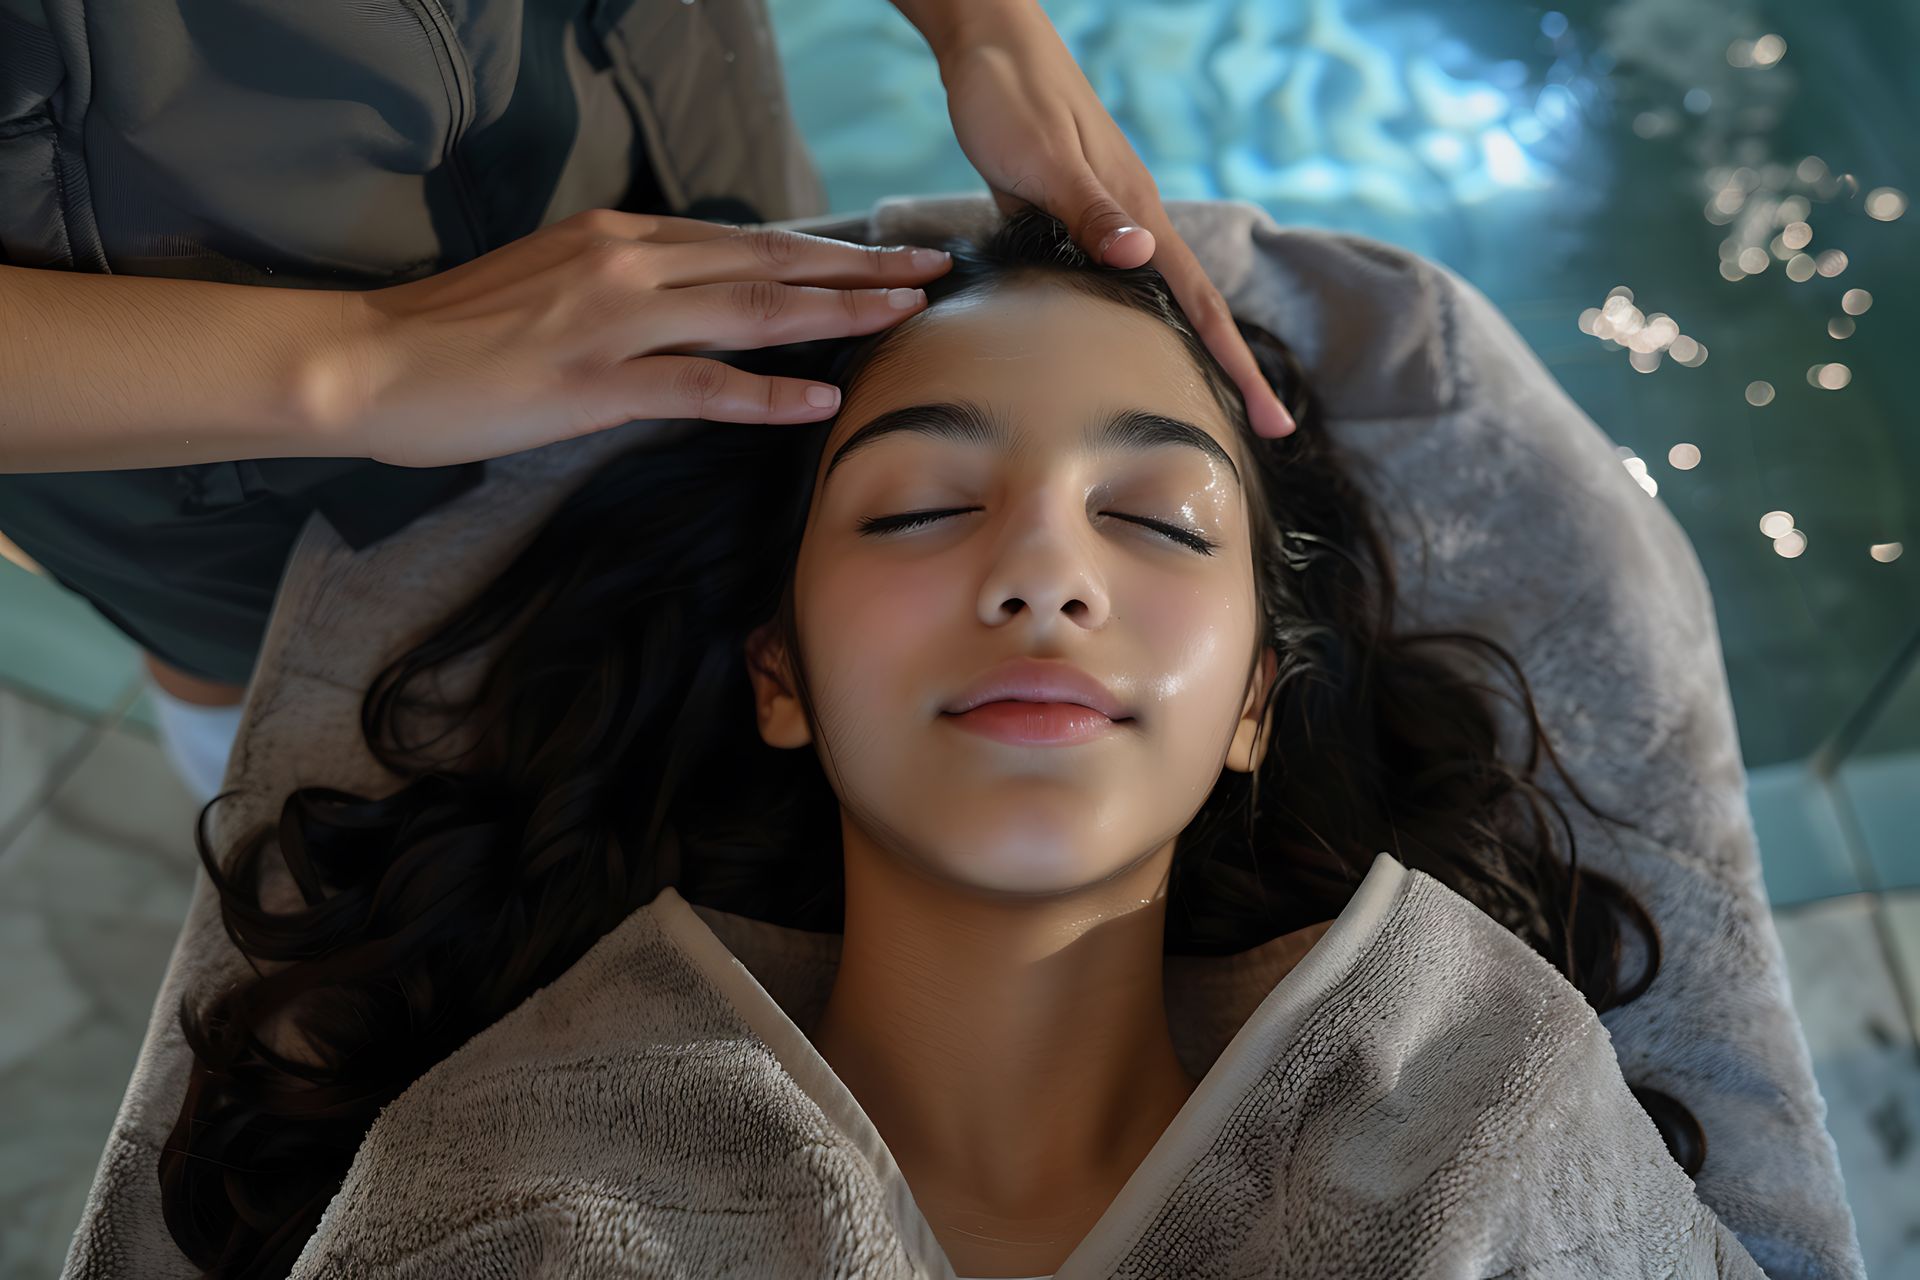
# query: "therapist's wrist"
{"type": "Point", "coordinates": [952, 26]}
{"type": "Point", "coordinates": [330, 394]}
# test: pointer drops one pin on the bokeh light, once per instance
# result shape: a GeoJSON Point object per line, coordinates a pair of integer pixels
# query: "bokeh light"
{"type": "Point", "coordinates": [1884, 204]}
{"type": "Point", "coordinates": [1618, 323]}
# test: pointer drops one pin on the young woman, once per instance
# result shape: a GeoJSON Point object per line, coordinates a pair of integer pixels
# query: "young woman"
{"type": "Point", "coordinates": [1031, 668]}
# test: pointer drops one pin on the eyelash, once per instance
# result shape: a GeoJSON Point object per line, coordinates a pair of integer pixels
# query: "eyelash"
{"type": "Point", "coordinates": [913, 519]}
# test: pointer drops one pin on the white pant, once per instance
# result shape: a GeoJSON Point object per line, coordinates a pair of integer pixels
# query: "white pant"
{"type": "Point", "coordinates": [197, 740]}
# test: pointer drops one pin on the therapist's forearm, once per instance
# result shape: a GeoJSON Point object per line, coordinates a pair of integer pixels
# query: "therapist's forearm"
{"type": "Point", "coordinates": [106, 372]}
{"type": "Point", "coordinates": [945, 24]}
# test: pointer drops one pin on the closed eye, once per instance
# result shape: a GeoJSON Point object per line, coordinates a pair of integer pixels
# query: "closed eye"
{"type": "Point", "coordinates": [914, 519]}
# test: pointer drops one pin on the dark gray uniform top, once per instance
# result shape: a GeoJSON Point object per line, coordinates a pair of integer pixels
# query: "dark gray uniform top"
{"type": "Point", "coordinates": [323, 144]}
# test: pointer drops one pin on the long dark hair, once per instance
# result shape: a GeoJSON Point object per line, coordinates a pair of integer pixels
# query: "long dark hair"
{"type": "Point", "coordinates": [611, 748]}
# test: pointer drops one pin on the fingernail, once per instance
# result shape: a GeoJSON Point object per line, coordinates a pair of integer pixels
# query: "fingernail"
{"type": "Point", "coordinates": [1274, 420]}
{"type": "Point", "coordinates": [901, 299]}
{"type": "Point", "coordinates": [821, 397]}
{"type": "Point", "coordinates": [928, 259]}
{"type": "Point", "coordinates": [1113, 235]}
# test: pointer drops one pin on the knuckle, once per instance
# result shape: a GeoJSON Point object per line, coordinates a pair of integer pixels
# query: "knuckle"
{"type": "Point", "coordinates": [699, 381]}
{"type": "Point", "coordinates": [775, 247]}
{"type": "Point", "coordinates": [598, 222]}
{"type": "Point", "coordinates": [1208, 309]}
{"type": "Point", "coordinates": [1095, 204]}
{"type": "Point", "coordinates": [611, 257]}
{"type": "Point", "coordinates": [760, 299]}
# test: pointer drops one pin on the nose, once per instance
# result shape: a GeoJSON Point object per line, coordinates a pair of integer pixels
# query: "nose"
{"type": "Point", "coordinates": [1046, 563]}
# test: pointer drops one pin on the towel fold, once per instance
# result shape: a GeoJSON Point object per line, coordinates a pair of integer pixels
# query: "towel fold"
{"type": "Point", "coordinates": [1421, 1095]}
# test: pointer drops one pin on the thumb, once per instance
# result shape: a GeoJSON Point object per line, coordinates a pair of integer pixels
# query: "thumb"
{"type": "Point", "coordinates": [1103, 228]}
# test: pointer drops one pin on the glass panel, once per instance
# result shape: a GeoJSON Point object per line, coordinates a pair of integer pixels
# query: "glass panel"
{"type": "Point", "coordinates": [1874, 766]}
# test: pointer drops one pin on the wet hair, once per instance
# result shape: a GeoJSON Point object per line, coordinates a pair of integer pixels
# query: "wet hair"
{"type": "Point", "coordinates": [611, 748]}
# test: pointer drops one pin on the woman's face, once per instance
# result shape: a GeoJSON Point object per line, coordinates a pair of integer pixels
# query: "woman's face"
{"type": "Point", "coordinates": [1047, 560]}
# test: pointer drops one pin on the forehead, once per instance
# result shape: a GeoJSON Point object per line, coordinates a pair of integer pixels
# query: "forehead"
{"type": "Point", "coordinates": [1041, 353]}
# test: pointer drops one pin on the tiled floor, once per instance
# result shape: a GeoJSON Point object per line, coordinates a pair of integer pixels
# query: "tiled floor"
{"type": "Point", "coordinates": [96, 867]}
{"type": "Point", "coordinates": [55, 644]}
{"type": "Point", "coordinates": [1865, 1057]}
{"type": "Point", "coordinates": [96, 870]}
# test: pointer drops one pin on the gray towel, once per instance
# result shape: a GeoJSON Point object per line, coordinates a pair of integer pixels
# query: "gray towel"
{"type": "Point", "coordinates": [1422, 1095]}
{"type": "Point", "coordinates": [1537, 537]}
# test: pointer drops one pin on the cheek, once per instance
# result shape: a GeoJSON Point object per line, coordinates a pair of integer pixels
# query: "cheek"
{"type": "Point", "coordinates": [1204, 678]}
{"type": "Point", "coordinates": [1194, 647]}
{"type": "Point", "coordinates": [868, 629]}
{"type": "Point", "coordinates": [875, 606]}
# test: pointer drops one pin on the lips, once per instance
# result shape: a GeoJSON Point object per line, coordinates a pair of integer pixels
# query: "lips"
{"type": "Point", "coordinates": [1037, 680]}
{"type": "Point", "coordinates": [1035, 724]}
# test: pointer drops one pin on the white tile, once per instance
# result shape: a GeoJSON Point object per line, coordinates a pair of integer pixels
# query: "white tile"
{"type": "Point", "coordinates": [1903, 914]}
{"type": "Point", "coordinates": [36, 1228]}
{"type": "Point", "coordinates": [60, 1106]}
{"type": "Point", "coordinates": [113, 840]}
{"type": "Point", "coordinates": [1804, 853]}
{"type": "Point", "coordinates": [34, 740]}
{"type": "Point", "coordinates": [93, 892]}
{"type": "Point", "coordinates": [56, 867]}
{"type": "Point", "coordinates": [1865, 1061]}
{"type": "Point", "coordinates": [39, 999]}
{"type": "Point", "coordinates": [1884, 794]}
{"type": "Point", "coordinates": [54, 642]}
{"type": "Point", "coordinates": [125, 792]}
{"type": "Point", "coordinates": [117, 960]}
{"type": "Point", "coordinates": [140, 716]}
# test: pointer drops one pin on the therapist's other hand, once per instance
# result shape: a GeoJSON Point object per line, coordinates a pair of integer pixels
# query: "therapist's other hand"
{"type": "Point", "coordinates": [574, 328]}
{"type": "Point", "coordinates": [1031, 124]}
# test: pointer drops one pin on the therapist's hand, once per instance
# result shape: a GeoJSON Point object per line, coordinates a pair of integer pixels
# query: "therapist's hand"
{"type": "Point", "coordinates": [585, 324]}
{"type": "Point", "coordinates": [1031, 124]}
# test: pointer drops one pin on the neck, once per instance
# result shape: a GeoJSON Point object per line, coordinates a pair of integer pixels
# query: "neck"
{"type": "Point", "coordinates": [1014, 1052]}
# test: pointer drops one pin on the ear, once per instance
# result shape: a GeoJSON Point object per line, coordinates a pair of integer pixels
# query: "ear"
{"type": "Point", "coordinates": [782, 722]}
{"type": "Point", "coordinates": [1240, 752]}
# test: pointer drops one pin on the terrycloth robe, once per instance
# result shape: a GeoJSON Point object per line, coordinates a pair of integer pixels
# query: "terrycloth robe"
{"type": "Point", "coordinates": [1421, 1094]}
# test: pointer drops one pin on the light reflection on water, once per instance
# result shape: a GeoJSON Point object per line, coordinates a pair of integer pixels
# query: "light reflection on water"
{"type": "Point", "coordinates": [1370, 119]}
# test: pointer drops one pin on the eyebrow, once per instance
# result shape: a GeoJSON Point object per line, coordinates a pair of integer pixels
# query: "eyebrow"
{"type": "Point", "coordinates": [967, 422]}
